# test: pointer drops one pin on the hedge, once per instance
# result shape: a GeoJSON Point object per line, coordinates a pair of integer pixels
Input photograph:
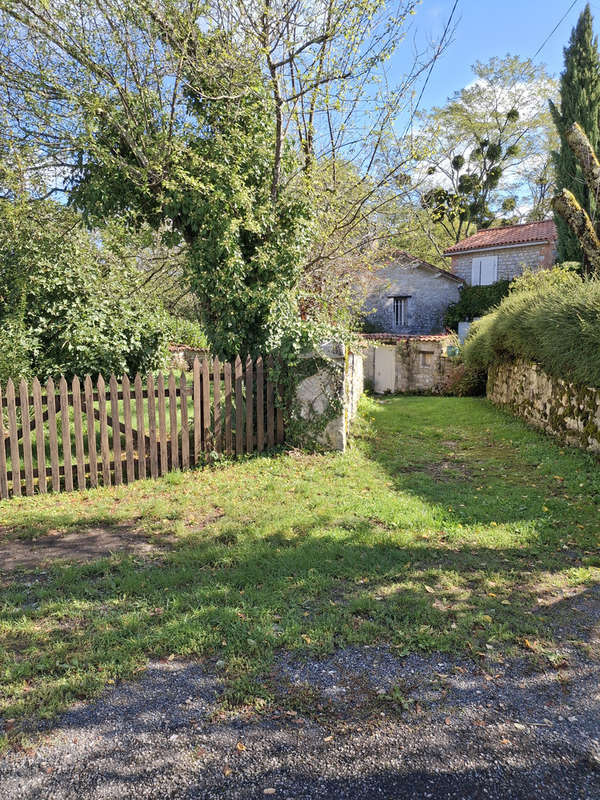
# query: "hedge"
{"type": "Point", "coordinates": [555, 326]}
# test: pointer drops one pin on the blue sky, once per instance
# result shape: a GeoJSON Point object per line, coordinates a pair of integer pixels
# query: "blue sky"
{"type": "Point", "coordinates": [489, 28]}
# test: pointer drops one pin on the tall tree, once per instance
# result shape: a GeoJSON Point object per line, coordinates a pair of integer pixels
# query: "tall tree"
{"type": "Point", "coordinates": [211, 121]}
{"type": "Point", "coordinates": [579, 102]}
{"type": "Point", "coordinates": [483, 155]}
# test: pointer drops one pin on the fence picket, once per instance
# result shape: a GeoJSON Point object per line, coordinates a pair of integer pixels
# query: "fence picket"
{"type": "Point", "coordinates": [239, 408]}
{"type": "Point", "coordinates": [53, 434]}
{"type": "Point", "coordinates": [173, 421]}
{"type": "Point", "coordinates": [26, 428]}
{"type": "Point", "coordinates": [15, 458]}
{"type": "Point", "coordinates": [197, 393]}
{"type": "Point", "coordinates": [249, 406]}
{"type": "Point", "coordinates": [227, 376]}
{"type": "Point", "coordinates": [279, 418]}
{"type": "Point", "coordinates": [116, 429]}
{"type": "Point", "coordinates": [152, 426]}
{"type": "Point", "coordinates": [130, 463]}
{"type": "Point", "coordinates": [104, 448]}
{"type": "Point", "coordinates": [206, 406]}
{"type": "Point", "coordinates": [260, 406]}
{"type": "Point", "coordinates": [162, 425]}
{"type": "Point", "coordinates": [78, 426]}
{"type": "Point", "coordinates": [40, 445]}
{"type": "Point", "coordinates": [65, 433]}
{"type": "Point", "coordinates": [218, 432]}
{"type": "Point", "coordinates": [91, 431]}
{"type": "Point", "coordinates": [3, 443]}
{"type": "Point", "coordinates": [270, 407]}
{"type": "Point", "coordinates": [185, 430]}
{"type": "Point", "coordinates": [140, 438]}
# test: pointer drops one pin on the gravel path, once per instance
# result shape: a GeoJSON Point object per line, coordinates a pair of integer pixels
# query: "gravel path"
{"type": "Point", "coordinates": [362, 724]}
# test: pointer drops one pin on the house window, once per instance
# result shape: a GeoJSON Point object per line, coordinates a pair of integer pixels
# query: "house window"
{"type": "Point", "coordinates": [400, 311]}
{"type": "Point", "coordinates": [426, 358]}
{"type": "Point", "coordinates": [484, 271]}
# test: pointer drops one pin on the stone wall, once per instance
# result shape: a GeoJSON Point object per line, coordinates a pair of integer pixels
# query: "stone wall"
{"type": "Point", "coordinates": [562, 409]}
{"type": "Point", "coordinates": [339, 384]}
{"type": "Point", "coordinates": [512, 261]}
{"type": "Point", "coordinates": [420, 363]}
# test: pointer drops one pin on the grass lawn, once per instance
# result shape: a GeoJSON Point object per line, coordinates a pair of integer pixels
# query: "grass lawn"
{"type": "Point", "coordinates": [447, 526]}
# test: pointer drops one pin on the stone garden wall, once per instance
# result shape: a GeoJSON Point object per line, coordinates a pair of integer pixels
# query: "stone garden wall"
{"type": "Point", "coordinates": [562, 409]}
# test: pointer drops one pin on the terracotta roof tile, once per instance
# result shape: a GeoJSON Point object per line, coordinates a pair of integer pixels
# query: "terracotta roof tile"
{"type": "Point", "coordinates": [398, 337]}
{"type": "Point", "coordinates": [510, 234]}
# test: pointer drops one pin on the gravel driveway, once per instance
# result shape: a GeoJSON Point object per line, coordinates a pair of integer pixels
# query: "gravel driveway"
{"type": "Point", "coordinates": [362, 724]}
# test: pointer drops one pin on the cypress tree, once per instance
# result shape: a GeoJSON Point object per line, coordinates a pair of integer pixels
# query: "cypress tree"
{"type": "Point", "coordinates": [579, 102]}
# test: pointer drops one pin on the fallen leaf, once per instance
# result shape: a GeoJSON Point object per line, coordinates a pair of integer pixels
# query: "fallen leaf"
{"type": "Point", "coordinates": [328, 739]}
{"type": "Point", "coordinates": [270, 790]}
{"type": "Point", "coordinates": [429, 589]}
{"type": "Point", "coordinates": [226, 771]}
{"type": "Point", "coordinates": [240, 747]}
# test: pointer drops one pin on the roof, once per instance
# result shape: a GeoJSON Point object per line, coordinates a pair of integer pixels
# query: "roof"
{"type": "Point", "coordinates": [403, 256]}
{"type": "Point", "coordinates": [508, 235]}
{"type": "Point", "coordinates": [399, 337]}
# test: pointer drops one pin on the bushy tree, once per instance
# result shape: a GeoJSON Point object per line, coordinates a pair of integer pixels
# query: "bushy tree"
{"type": "Point", "coordinates": [486, 147]}
{"type": "Point", "coordinates": [580, 103]}
{"type": "Point", "coordinates": [64, 311]}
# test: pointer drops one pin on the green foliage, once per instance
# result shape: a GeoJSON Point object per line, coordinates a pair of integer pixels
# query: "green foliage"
{"type": "Point", "coordinates": [465, 381]}
{"type": "Point", "coordinates": [579, 102]}
{"type": "Point", "coordinates": [179, 330]}
{"type": "Point", "coordinates": [475, 301]}
{"type": "Point", "coordinates": [244, 240]}
{"type": "Point", "coordinates": [488, 144]}
{"type": "Point", "coordinates": [68, 313]}
{"type": "Point", "coordinates": [556, 326]}
{"type": "Point", "coordinates": [561, 275]}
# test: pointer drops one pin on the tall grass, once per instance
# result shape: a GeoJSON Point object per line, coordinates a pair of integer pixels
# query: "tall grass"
{"type": "Point", "coordinates": [555, 326]}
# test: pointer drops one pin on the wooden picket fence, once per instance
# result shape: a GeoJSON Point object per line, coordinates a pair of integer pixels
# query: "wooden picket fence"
{"type": "Point", "coordinates": [88, 435]}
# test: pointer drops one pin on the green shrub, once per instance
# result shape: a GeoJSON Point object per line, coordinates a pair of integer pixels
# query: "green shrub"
{"type": "Point", "coordinates": [64, 308]}
{"type": "Point", "coordinates": [187, 332]}
{"type": "Point", "coordinates": [564, 275]}
{"type": "Point", "coordinates": [555, 325]}
{"type": "Point", "coordinates": [475, 301]}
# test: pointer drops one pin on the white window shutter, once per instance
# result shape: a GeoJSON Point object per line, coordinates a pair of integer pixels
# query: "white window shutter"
{"type": "Point", "coordinates": [489, 270]}
{"type": "Point", "coordinates": [476, 272]}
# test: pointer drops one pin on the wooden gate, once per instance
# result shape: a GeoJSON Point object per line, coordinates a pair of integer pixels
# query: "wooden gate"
{"type": "Point", "coordinates": [87, 435]}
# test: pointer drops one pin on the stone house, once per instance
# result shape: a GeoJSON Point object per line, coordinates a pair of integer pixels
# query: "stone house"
{"type": "Point", "coordinates": [395, 363]}
{"type": "Point", "coordinates": [497, 254]}
{"type": "Point", "coordinates": [408, 296]}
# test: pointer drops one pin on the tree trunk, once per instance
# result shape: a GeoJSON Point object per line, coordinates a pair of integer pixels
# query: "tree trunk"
{"type": "Point", "coordinates": [578, 221]}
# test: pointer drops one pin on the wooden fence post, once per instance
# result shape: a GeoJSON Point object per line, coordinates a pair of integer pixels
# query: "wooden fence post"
{"type": "Point", "coordinates": [270, 406]}
{"type": "Point", "coordinates": [239, 406]}
{"type": "Point", "coordinates": [218, 433]}
{"type": "Point", "coordinates": [116, 430]}
{"type": "Point", "coordinates": [173, 421]}
{"type": "Point", "coordinates": [227, 384]}
{"type": "Point", "coordinates": [152, 426]}
{"type": "Point", "coordinates": [185, 431]}
{"type": "Point", "coordinates": [260, 409]}
{"type": "Point", "coordinates": [3, 471]}
{"type": "Point", "coordinates": [15, 458]}
{"type": "Point", "coordinates": [65, 433]}
{"type": "Point", "coordinates": [128, 428]}
{"type": "Point", "coordinates": [78, 427]}
{"type": "Point", "coordinates": [26, 428]}
{"type": "Point", "coordinates": [206, 431]}
{"type": "Point", "coordinates": [53, 434]}
{"type": "Point", "coordinates": [141, 433]}
{"type": "Point", "coordinates": [104, 448]}
{"type": "Point", "coordinates": [162, 425]}
{"type": "Point", "coordinates": [91, 431]}
{"type": "Point", "coordinates": [197, 393]}
{"type": "Point", "coordinates": [40, 445]}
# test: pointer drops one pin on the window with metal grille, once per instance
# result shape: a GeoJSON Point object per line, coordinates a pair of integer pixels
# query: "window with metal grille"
{"type": "Point", "coordinates": [400, 311]}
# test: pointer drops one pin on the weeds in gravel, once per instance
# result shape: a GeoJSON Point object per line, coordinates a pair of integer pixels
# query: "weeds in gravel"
{"type": "Point", "coordinates": [439, 530]}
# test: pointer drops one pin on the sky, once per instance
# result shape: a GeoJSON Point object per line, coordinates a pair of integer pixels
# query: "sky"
{"type": "Point", "coordinates": [487, 28]}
